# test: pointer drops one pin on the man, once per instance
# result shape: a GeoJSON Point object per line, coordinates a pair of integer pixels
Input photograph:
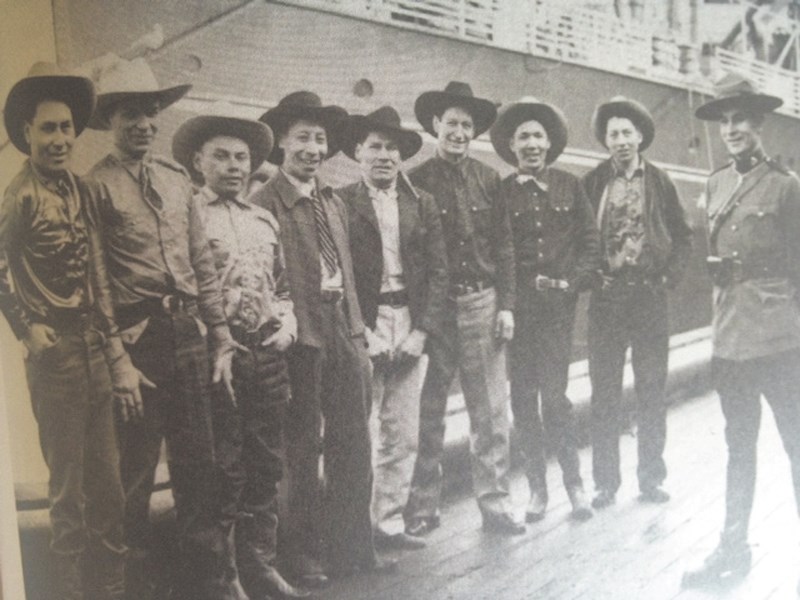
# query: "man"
{"type": "Point", "coordinates": [645, 245]}
{"type": "Point", "coordinates": [167, 296]}
{"type": "Point", "coordinates": [219, 152]}
{"type": "Point", "coordinates": [55, 295]}
{"type": "Point", "coordinates": [754, 247]}
{"type": "Point", "coordinates": [401, 279]}
{"type": "Point", "coordinates": [329, 368]}
{"type": "Point", "coordinates": [556, 252]}
{"type": "Point", "coordinates": [478, 313]}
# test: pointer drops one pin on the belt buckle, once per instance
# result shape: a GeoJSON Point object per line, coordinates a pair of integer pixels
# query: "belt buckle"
{"type": "Point", "coordinates": [172, 304]}
{"type": "Point", "coordinates": [541, 283]}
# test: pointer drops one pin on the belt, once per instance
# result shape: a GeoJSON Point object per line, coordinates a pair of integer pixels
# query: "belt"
{"type": "Point", "coordinates": [331, 296]}
{"type": "Point", "coordinates": [542, 283]}
{"type": "Point", "coordinates": [253, 338]}
{"type": "Point", "coordinates": [396, 298]}
{"type": "Point", "coordinates": [169, 305]}
{"type": "Point", "coordinates": [469, 287]}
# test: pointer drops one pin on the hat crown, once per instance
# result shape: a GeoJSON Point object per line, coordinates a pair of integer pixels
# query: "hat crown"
{"type": "Point", "coordinates": [733, 85]}
{"type": "Point", "coordinates": [459, 88]}
{"type": "Point", "coordinates": [133, 76]}
{"type": "Point", "coordinates": [46, 69]}
{"type": "Point", "coordinates": [301, 99]}
{"type": "Point", "coordinates": [529, 100]}
{"type": "Point", "coordinates": [385, 115]}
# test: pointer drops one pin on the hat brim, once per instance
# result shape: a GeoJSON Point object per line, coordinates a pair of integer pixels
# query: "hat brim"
{"type": "Point", "coordinates": [76, 92]}
{"type": "Point", "coordinates": [552, 119]}
{"type": "Point", "coordinates": [195, 132]}
{"type": "Point", "coordinates": [636, 112]}
{"type": "Point", "coordinates": [434, 103]}
{"type": "Point", "coordinates": [359, 126]}
{"type": "Point", "coordinates": [107, 102]}
{"type": "Point", "coordinates": [281, 118]}
{"type": "Point", "coordinates": [758, 103]}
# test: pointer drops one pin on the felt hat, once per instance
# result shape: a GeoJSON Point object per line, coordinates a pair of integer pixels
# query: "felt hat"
{"type": "Point", "coordinates": [456, 93]}
{"type": "Point", "coordinates": [524, 110]}
{"type": "Point", "coordinates": [620, 106]}
{"type": "Point", "coordinates": [385, 120]}
{"type": "Point", "coordinates": [735, 91]}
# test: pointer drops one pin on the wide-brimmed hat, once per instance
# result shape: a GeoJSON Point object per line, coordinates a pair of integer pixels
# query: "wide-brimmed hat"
{"type": "Point", "coordinates": [456, 93]}
{"type": "Point", "coordinates": [128, 79]}
{"type": "Point", "coordinates": [620, 106]}
{"type": "Point", "coordinates": [47, 81]}
{"type": "Point", "coordinates": [303, 105]}
{"type": "Point", "coordinates": [524, 110]}
{"type": "Point", "coordinates": [735, 91]}
{"type": "Point", "coordinates": [195, 132]}
{"type": "Point", "coordinates": [385, 120]}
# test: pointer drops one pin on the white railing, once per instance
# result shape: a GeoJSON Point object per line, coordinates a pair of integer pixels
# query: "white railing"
{"type": "Point", "coordinates": [565, 30]}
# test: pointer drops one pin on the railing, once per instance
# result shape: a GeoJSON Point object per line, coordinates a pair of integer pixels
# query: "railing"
{"type": "Point", "coordinates": [565, 30]}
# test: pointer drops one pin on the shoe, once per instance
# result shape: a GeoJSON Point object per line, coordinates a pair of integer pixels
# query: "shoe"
{"type": "Point", "coordinates": [724, 563]}
{"type": "Point", "coordinates": [308, 571]}
{"type": "Point", "coordinates": [503, 523]}
{"type": "Point", "coordinates": [580, 505]}
{"type": "Point", "coordinates": [536, 507]}
{"type": "Point", "coordinates": [278, 587]}
{"type": "Point", "coordinates": [399, 541]}
{"type": "Point", "coordinates": [421, 526]}
{"type": "Point", "coordinates": [603, 499]}
{"type": "Point", "coordinates": [654, 495]}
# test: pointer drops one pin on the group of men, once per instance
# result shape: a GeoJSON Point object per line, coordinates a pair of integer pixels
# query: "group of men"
{"type": "Point", "coordinates": [257, 333]}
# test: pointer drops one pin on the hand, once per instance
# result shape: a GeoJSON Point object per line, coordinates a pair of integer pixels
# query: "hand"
{"type": "Point", "coordinates": [223, 366]}
{"type": "Point", "coordinates": [504, 326]}
{"type": "Point", "coordinates": [40, 337]}
{"type": "Point", "coordinates": [279, 341]}
{"type": "Point", "coordinates": [412, 347]}
{"type": "Point", "coordinates": [126, 385]}
{"type": "Point", "coordinates": [378, 349]}
{"type": "Point", "coordinates": [607, 281]}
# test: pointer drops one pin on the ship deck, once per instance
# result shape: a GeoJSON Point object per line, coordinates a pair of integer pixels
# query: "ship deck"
{"type": "Point", "coordinates": [628, 551]}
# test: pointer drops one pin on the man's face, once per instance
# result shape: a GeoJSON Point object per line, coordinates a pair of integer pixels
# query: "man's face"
{"type": "Point", "coordinates": [454, 131]}
{"type": "Point", "coordinates": [379, 157]}
{"type": "Point", "coordinates": [740, 131]}
{"type": "Point", "coordinates": [530, 144]}
{"type": "Point", "coordinates": [51, 135]}
{"type": "Point", "coordinates": [225, 164]}
{"type": "Point", "coordinates": [623, 139]}
{"type": "Point", "coordinates": [134, 127]}
{"type": "Point", "coordinates": [304, 145]}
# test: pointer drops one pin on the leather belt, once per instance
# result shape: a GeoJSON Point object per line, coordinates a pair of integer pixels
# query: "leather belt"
{"type": "Point", "coordinates": [331, 296]}
{"type": "Point", "coordinates": [469, 287]}
{"type": "Point", "coordinates": [396, 298]}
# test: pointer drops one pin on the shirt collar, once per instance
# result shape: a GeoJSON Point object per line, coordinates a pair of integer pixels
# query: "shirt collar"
{"type": "Point", "coordinates": [212, 197]}
{"type": "Point", "coordinates": [460, 166]}
{"type": "Point", "coordinates": [541, 180]}
{"type": "Point", "coordinates": [637, 171]}
{"type": "Point", "coordinates": [53, 184]}
{"type": "Point", "coordinates": [748, 163]}
{"type": "Point", "coordinates": [374, 191]}
{"type": "Point", "coordinates": [306, 188]}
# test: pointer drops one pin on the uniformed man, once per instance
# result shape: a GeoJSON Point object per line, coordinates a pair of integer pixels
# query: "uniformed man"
{"type": "Point", "coordinates": [479, 318]}
{"type": "Point", "coordinates": [220, 152]}
{"type": "Point", "coordinates": [400, 268]}
{"type": "Point", "coordinates": [556, 251]}
{"type": "Point", "coordinates": [754, 259]}
{"type": "Point", "coordinates": [327, 532]}
{"type": "Point", "coordinates": [167, 296]}
{"type": "Point", "coordinates": [645, 246]}
{"type": "Point", "coordinates": [55, 296]}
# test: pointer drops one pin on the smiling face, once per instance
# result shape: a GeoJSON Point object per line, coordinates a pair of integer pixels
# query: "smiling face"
{"type": "Point", "coordinates": [133, 125]}
{"type": "Point", "coordinates": [623, 139]}
{"type": "Point", "coordinates": [224, 163]}
{"type": "Point", "coordinates": [51, 135]}
{"type": "Point", "coordinates": [454, 131]}
{"type": "Point", "coordinates": [305, 146]}
{"type": "Point", "coordinates": [379, 157]}
{"type": "Point", "coordinates": [530, 144]}
{"type": "Point", "coordinates": [740, 131]}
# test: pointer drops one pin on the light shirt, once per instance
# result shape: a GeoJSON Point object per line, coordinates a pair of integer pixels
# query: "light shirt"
{"type": "Point", "coordinates": [384, 201]}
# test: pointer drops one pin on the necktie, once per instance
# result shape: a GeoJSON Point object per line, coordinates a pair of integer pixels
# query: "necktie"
{"type": "Point", "coordinates": [326, 245]}
{"type": "Point", "coordinates": [148, 191]}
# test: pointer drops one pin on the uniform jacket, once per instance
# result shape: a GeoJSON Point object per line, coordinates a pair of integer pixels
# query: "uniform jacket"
{"type": "Point", "coordinates": [667, 232]}
{"type": "Point", "coordinates": [422, 253]}
{"type": "Point", "coordinates": [555, 234]}
{"type": "Point", "coordinates": [298, 232]}
{"type": "Point", "coordinates": [757, 314]}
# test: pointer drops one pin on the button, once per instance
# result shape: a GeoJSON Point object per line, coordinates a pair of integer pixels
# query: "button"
{"type": "Point", "coordinates": [734, 227]}
{"type": "Point", "coordinates": [462, 242]}
{"type": "Point", "coordinates": [538, 223]}
{"type": "Point", "coordinates": [735, 254]}
{"type": "Point", "coordinates": [540, 255]}
{"type": "Point", "coordinates": [760, 214]}
{"type": "Point", "coordinates": [516, 214]}
{"type": "Point", "coordinates": [536, 208]}
{"type": "Point", "coordinates": [535, 193]}
{"type": "Point", "coordinates": [444, 211]}
{"type": "Point", "coordinates": [473, 208]}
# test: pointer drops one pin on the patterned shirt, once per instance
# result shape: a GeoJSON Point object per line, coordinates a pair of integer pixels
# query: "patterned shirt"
{"type": "Point", "coordinates": [622, 221]}
{"type": "Point", "coordinates": [244, 239]}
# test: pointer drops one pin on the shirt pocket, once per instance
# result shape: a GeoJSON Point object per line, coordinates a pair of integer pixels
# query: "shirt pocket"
{"type": "Point", "coordinates": [562, 211]}
{"type": "Point", "coordinates": [480, 213]}
{"type": "Point", "coordinates": [759, 226]}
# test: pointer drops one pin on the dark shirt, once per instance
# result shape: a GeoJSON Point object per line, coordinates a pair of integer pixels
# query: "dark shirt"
{"type": "Point", "coordinates": [155, 250]}
{"type": "Point", "coordinates": [50, 250]}
{"type": "Point", "coordinates": [475, 222]}
{"type": "Point", "coordinates": [554, 229]}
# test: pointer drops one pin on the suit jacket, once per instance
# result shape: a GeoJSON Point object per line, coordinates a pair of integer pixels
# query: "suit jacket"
{"type": "Point", "coordinates": [757, 313]}
{"type": "Point", "coordinates": [422, 253]}
{"type": "Point", "coordinates": [298, 234]}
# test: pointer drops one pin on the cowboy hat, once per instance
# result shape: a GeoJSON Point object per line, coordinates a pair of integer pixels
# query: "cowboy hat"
{"type": "Point", "coordinates": [132, 79]}
{"type": "Point", "coordinates": [195, 132]}
{"type": "Point", "coordinates": [734, 91]}
{"type": "Point", "coordinates": [385, 120]}
{"type": "Point", "coordinates": [620, 106]}
{"type": "Point", "coordinates": [303, 105]}
{"type": "Point", "coordinates": [456, 93]}
{"type": "Point", "coordinates": [46, 81]}
{"type": "Point", "coordinates": [524, 110]}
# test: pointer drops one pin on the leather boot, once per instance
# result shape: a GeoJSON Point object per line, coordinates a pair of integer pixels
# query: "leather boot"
{"type": "Point", "coordinates": [580, 505]}
{"type": "Point", "coordinates": [726, 561]}
{"type": "Point", "coordinates": [537, 506]}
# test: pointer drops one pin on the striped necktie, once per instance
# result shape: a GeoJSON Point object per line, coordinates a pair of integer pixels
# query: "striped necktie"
{"type": "Point", "coordinates": [148, 191]}
{"type": "Point", "coordinates": [326, 245]}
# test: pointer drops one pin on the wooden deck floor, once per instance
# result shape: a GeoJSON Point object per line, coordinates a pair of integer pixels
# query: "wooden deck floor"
{"type": "Point", "coordinates": [630, 551]}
